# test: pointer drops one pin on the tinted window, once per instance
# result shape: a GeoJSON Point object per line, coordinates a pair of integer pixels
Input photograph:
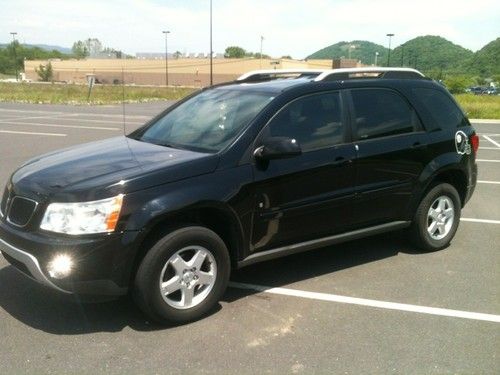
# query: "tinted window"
{"type": "Point", "coordinates": [207, 122]}
{"type": "Point", "coordinates": [314, 121]}
{"type": "Point", "coordinates": [380, 113]}
{"type": "Point", "coordinates": [444, 113]}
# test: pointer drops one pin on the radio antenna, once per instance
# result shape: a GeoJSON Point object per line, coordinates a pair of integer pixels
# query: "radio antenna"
{"type": "Point", "coordinates": [123, 103]}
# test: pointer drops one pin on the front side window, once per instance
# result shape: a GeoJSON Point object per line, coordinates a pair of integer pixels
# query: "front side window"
{"type": "Point", "coordinates": [314, 121]}
{"type": "Point", "coordinates": [381, 113]}
{"type": "Point", "coordinates": [209, 121]}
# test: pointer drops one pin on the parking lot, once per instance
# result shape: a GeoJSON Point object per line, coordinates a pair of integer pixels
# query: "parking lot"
{"type": "Point", "coordinates": [369, 306]}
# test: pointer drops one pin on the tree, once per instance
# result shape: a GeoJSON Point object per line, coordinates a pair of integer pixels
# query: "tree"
{"type": "Point", "coordinates": [287, 57]}
{"type": "Point", "coordinates": [94, 46]}
{"type": "Point", "coordinates": [45, 73]}
{"type": "Point", "coordinates": [458, 84]}
{"type": "Point", "coordinates": [80, 50]}
{"type": "Point", "coordinates": [177, 55]}
{"type": "Point", "coordinates": [234, 52]}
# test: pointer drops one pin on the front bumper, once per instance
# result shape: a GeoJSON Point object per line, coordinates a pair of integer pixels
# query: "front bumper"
{"type": "Point", "coordinates": [27, 264]}
{"type": "Point", "coordinates": [102, 264]}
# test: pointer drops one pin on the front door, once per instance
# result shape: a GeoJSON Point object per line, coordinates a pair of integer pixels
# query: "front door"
{"type": "Point", "coordinates": [308, 196]}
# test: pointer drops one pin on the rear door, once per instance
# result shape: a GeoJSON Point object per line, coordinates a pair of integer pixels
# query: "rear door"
{"type": "Point", "coordinates": [391, 151]}
{"type": "Point", "coordinates": [308, 196]}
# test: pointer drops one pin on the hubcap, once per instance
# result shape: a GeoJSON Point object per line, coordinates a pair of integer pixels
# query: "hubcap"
{"type": "Point", "coordinates": [440, 217]}
{"type": "Point", "coordinates": [188, 277]}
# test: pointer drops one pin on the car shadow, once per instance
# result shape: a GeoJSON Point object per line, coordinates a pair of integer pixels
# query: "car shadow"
{"type": "Point", "coordinates": [49, 311]}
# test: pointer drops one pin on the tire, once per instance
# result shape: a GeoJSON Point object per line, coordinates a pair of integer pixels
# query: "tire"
{"type": "Point", "coordinates": [426, 235]}
{"type": "Point", "coordinates": [192, 266]}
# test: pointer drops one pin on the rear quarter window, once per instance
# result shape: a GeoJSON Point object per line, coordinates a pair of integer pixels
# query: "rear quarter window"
{"type": "Point", "coordinates": [443, 112]}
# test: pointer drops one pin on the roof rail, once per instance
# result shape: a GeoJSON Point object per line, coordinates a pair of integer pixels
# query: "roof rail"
{"type": "Point", "coordinates": [369, 72]}
{"type": "Point", "coordinates": [267, 74]}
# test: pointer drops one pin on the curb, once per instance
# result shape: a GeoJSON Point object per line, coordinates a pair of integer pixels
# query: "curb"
{"type": "Point", "coordinates": [485, 121]}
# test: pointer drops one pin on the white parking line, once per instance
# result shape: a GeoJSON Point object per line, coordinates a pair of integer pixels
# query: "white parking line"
{"type": "Point", "coordinates": [74, 114]}
{"type": "Point", "coordinates": [33, 133]}
{"type": "Point", "coordinates": [69, 118]}
{"type": "Point", "coordinates": [488, 182]}
{"type": "Point", "coordinates": [491, 140]}
{"type": "Point", "coordinates": [489, 148]}
{"type": "Point", "coordinates": [58, 126]}
{"type": "Point", "coordinates": [368, 302]}
{"type": "Point", "coordinates": [488, 160]}
{"type": "Point", "coordinates": [485, 221]}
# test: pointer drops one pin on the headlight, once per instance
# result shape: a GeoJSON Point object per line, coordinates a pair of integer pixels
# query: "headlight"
{"type": "Point", "coordinates": [83, 218]}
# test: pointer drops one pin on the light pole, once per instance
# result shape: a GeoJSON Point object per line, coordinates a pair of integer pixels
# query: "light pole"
{"type": "Point", "coordinates": [376, 58]}
{"type": "Point", "coordinates": [389, 53]}
{"type": "Point", "coordinates": [166, 32]}
{"type": "Point", "coordinates": [351, 47]}
{"type": "Point", "coordinates": [211, 50]}
{"type": "Point", "coordinates": [261, 41]}
{"type": "Point", "coordinates": [14, 49]}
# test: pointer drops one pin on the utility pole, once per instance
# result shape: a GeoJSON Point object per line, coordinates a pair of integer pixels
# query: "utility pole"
{"type": "Point", "coordinates": [14, 49]}
{"type": "Point", "coordinates": [351, 47]}
{"type": "Point", "coordinates": [261, 41]}
{"type": "Point", "coordinates": [211, 50]}
{"type": "Point", "coordinates": [389, 53]}
{"type": "Point", "coordinates": [376, 58]}
{"type": "Point", "coordinates": [166, 32]}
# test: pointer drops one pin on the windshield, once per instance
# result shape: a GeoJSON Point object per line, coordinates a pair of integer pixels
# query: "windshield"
{"type": "Point", "coordinates": [207, 122]}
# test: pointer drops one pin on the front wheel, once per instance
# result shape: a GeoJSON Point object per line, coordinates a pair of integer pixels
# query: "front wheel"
{"type": "Point", "coordinates": [183, 275]}
{"type": "Point", "coordinates": [437, 217]}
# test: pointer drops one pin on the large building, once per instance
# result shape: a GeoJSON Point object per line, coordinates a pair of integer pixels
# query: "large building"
{"type": "Point", "coordinates": [182, 71]}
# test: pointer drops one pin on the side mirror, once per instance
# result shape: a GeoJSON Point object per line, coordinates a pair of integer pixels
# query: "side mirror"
{"type": "Point", "coordinates": [278, 148]}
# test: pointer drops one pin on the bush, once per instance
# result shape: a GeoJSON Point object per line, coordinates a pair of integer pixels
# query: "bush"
{"type": "Point", "coordinates": [45, 73]}
{"type": "Point", "coordinates": [458, 84]}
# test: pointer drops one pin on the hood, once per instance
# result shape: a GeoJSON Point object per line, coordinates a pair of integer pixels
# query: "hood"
{"type": "Point", "coordinates": [111, 166]}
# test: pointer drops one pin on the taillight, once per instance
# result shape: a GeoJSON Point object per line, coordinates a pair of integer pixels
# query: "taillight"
{"type": "Point", "coordinates": [475, 142]}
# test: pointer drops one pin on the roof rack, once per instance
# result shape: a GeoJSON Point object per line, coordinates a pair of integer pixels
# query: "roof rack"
{"type": "Point", "coordinates": [369, 72]}
{"type": "Point", "coordinates": [331, 74]}
{"type": "Point", "coordinates": [267, 74]}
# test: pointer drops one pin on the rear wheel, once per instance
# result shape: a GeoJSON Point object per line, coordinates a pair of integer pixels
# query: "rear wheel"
{"type": "Point", "coordinates": [437, 217]}
{"type": "Point", "coordinates": [183, 276]}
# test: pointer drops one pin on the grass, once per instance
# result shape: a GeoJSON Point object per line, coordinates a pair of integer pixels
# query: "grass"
{"type": "Point", "coordinates": [480, 106]}
{"type": "Point", "coordinates": [77, 94]}
{"type": "Point", "coordinates": [477, 106]}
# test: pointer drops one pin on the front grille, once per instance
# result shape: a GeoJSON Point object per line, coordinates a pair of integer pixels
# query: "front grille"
{"type": "Point", "coordinates": [21, 210]}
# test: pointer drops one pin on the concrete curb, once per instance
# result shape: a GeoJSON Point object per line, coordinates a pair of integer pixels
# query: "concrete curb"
{"type": "Point", "coordinates": [485, 121]}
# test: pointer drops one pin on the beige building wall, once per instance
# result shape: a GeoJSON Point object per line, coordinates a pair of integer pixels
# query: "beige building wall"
{"type": "Point", "coordinates": [184, 72]}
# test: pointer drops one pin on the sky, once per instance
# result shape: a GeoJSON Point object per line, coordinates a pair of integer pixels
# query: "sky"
{"type": "Point", "coordinates": [290, 27]}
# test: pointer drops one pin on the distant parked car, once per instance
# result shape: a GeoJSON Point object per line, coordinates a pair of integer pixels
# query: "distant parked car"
{"type": "Point", "coordinates": [492, 91]}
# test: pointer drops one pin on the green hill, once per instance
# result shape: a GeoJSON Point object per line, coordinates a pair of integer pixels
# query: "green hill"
{"type": "Point", "coordinates": [486, 61]}
{"type": "Point", "coordinates": [363, 50]}
{"type": "Point", "coordinates": [430, 53]}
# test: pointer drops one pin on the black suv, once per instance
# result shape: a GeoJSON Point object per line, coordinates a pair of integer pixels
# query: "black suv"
{"type": "Point", "coordinates": [274, 163]}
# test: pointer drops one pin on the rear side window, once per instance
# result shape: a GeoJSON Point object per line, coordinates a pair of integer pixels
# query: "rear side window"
{"type": "Point", "coordinates": [381, 113]}
{"type": "Point", "coordinates": [315, 121]}
{"type": "Point", "coordinates": [444, 113]}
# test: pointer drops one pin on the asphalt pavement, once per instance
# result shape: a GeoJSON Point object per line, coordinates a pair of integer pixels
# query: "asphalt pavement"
{"type": "Point", "coordinates": [370, 306]}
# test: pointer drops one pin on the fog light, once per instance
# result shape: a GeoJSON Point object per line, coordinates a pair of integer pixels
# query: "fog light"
{"type": "Point", "coordinates": [60, 266]}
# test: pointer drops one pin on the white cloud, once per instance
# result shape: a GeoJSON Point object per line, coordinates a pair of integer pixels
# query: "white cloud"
{"type": "Point", "coordinates": [290, 27]}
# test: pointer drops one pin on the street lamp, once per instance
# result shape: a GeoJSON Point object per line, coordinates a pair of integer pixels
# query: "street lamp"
{"type": "Point", "coordinates": [166, 32]}
{"type": "Point", "coordinates": [261, 41]}
{"type": "Point", "coordinates": [14, 49]}
{"type": "Point", "coordinates": [211, 50]}
{"type": "Point", "coordinates": [376, 58]}
{"type": "Point", "coordinates": [389, 54]}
